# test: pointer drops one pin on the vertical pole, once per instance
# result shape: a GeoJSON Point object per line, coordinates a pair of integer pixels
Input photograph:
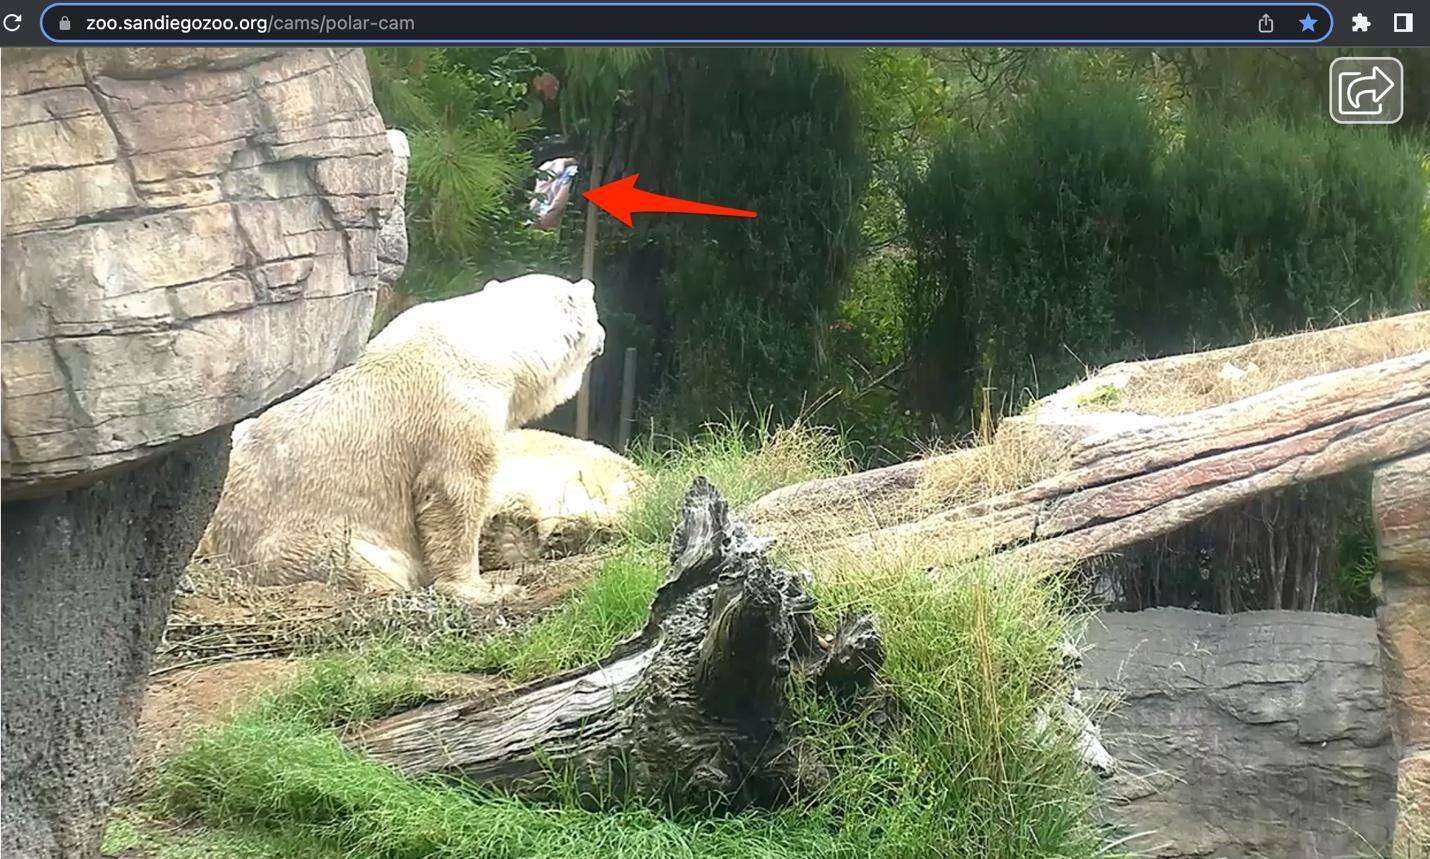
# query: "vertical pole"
{"type": "Point", "coordinates": [628, 399]}
{"type": "Point", "coordinates": [588, 271]}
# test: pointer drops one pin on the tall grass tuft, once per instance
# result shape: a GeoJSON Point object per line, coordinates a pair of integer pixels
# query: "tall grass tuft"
{"type": "Point", "coordinates": [744, 461]}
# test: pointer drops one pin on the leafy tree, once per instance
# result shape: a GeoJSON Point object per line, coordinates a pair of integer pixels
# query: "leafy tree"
{"type": "Point", "coordinates": [465, 112]}
{"type": "Point", "coordinates": [746, 304]}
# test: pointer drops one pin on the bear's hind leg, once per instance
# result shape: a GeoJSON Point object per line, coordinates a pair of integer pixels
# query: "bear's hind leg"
{"type": "Point", "coordinates": [450, 513]}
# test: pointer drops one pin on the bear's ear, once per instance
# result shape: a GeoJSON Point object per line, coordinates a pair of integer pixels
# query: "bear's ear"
{"type": "Point", "coordinates": [489, 284]}
{"type": "Point", "coordinates": [585, 288]}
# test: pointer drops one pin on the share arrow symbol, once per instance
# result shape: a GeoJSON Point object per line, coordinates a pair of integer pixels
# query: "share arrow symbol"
{"type": "Point", "coordinates": [622, 198]}
{"type": "Point", "coordinates": [1380, 85]}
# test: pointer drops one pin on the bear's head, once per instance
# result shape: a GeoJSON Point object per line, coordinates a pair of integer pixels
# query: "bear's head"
{"type": "Point", "coordinates": [560, 334]}
{"type": "Point", "coordinates": [534, 334]}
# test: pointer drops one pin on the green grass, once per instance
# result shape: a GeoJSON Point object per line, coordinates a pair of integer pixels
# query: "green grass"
{"type": "Point", "coordinates": [1105, 396]}
{"type": "Point", "coordinates": [955, 773]}
{"type": "Point", "coordinates": [743, 462]}
{"type": "Point", "coordinates": [578, 631]}
{"type": "Point", "coordinates": [137, 833]}
{"type": "Point", "coordinates": [1357, 566]}
{"type": "Point", "coordinates": [613, 605]}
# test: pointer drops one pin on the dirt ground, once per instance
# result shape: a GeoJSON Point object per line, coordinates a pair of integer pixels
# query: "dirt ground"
{"type": "Point", "coordinates": [215, 596]}
{"type": "Point", "coordinates": [179, 702]}
{"type": "Point", "coordinates": [227, 642]}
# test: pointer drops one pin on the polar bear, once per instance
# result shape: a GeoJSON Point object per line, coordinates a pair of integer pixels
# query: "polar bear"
{"type": "Point", "coordinates": [553, 496]}
{"type": "Point", "coordinates": [379, 476]}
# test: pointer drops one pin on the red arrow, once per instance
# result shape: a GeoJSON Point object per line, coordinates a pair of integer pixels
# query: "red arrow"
{"type": "Point", "coordinates": [622, 198]}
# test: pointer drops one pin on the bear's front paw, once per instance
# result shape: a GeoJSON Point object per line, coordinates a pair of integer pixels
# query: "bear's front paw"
{"type": "Point", "coordinates": [479, 592]}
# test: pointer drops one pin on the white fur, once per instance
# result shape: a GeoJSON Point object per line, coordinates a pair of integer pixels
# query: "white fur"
{"type": "Point", "coordinates": [468, 324]}
{"type": "Point", "coordinates": [552, 495]}
{"type": "Point", "coordinates": [380, 474]}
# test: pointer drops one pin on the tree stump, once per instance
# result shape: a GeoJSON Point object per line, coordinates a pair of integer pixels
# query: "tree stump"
{"type": "Point", "coordinates": [692, 711]}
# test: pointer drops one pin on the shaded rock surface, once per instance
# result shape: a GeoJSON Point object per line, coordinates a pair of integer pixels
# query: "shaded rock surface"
{"type": "Point", "coordinates": [88, 575]}
{"type": "Point", "coordinates": [1262, 734]}
{"type": "Point", "coordinates": [189, 235]}
{"type": "Point", "coordinates": [1401, 500]}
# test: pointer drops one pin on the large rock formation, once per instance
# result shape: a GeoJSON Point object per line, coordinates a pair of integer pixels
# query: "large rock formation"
{"type": "Point", "coordinates": [190, 235]}
{"type": "Point", "coordinates": [1248, 735]}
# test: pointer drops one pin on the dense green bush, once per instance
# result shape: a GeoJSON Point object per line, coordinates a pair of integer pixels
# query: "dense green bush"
{"type": "Point", "coordinates": [1079, 231]}
{"type": "Point", "coordinates": [1031, 242]}
{"type": "Point", "coordinates": [1274, 226]}
{"type": "Point", "coordinates": [748, 302]}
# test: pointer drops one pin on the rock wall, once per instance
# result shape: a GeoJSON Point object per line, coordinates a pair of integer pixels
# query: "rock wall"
{"type": "Point", "coordinates": [190, 235]}
{"type": "Point", "coordinates": [1263, 734]}
{"type": "Point", "coordinates": [1401, 499]}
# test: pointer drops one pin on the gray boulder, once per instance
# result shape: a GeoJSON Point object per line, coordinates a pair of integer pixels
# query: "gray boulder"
{"type": "Point", "coordinates": [1262, 734]}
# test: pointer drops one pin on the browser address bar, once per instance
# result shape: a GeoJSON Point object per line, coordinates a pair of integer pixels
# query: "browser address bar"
{"type": "Point", "coordinates": [778, 23]}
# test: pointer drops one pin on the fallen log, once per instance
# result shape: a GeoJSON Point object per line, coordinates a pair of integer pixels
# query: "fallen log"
{"type": "Point", "coordinates": [691, 711]}
{"type": "Point", "coordinates": [1094, 523]}
{"type": "Point", "coordinates": [1129, 487]}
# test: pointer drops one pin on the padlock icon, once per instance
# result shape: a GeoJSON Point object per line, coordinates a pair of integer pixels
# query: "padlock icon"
{"type": "Point", "coordinates": [64, 23]}
{"type": "Point", "coordinates": [1266, 24]}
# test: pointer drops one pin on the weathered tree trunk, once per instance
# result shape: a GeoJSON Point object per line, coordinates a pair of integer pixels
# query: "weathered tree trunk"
{"type": "Point", "coordinates": [1127, 487]}
{"type": "Point", "coordinates": [691, 710]}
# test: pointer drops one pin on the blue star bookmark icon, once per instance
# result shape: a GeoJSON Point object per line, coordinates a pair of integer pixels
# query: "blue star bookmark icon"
{"type": "Point", "coordinates": [1308, 24]}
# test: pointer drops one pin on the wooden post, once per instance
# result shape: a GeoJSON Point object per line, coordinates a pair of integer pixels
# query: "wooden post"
{"type": "Point", "coordinates": [628, 399]}
{"type": "Point", "coordinates": [588, 271]}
